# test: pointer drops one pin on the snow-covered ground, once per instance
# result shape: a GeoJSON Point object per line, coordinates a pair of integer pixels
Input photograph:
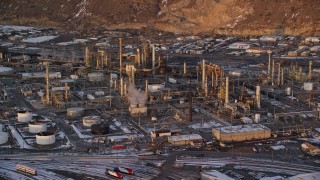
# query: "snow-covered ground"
{"type": "Point", "coordinates": [206, 125]}
{"type": "Point", "coordinates": [279, 147]}
{"type": "Point", "coordinates": [15, 28]}
{"type": "Point", "coordinates": [79, 133]}
{"type": "Point", "coordinates": [39, 39]}
{"type": "Point", "coordinates": [76, 41]}
{"type": "Point", "coordinates": [22, 143]}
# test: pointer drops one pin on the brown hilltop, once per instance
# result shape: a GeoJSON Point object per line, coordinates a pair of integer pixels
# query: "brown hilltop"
{"type": "Point", "coordinates": [296, 17]}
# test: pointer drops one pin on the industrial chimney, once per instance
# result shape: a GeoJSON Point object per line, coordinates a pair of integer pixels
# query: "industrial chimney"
{"type": "Point", "coordinates": [258, 97]}
{"type": "Point", "coordinates": [227, 91]}
{"type": "Point", "coordinates": [47, 81]}
{"type": "Point", "coordinates": [120, 55]}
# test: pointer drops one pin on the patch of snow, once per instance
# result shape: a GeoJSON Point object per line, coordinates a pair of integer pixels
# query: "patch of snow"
{"type": "Point", "coordinates": [22, 143]}
{"type": "Point", "coordinates": [279, 147]}
{"type": "Point", "coordinates": [80, 135]}
{"type": "Point", "coordinates": [39, 39]}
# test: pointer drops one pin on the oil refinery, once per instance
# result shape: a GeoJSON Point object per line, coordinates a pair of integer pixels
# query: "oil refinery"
{"type": "Point", "coordinates": [123, 104]}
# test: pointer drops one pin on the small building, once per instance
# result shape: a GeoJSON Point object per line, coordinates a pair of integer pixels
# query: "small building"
{"type": "Point", "coordinates": [310, 149]}
{"type": "Point", "coordinates": [312, 39]}
{"type": "Point", "coordinates": [188, 139]}
{"type": "Point", "coordinates": [119, 138]}
{"type": "Point", "coordinates": [240, 45]}
{"type": "Point", "coordinates": [241, 133]}
{"type": "Point", "coordinates": [162, 133]}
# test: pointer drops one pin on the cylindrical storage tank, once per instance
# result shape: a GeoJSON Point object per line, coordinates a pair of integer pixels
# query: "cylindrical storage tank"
{"type": "Point", "coordinates": [257, 118]}
{"type": "Point", "coordinates": [181, 101]}
{"type": "Point", "coordinates": [3, 137]}
{"type": "Point", "coordinates": [88, 121]}
{"type": "Point", "coordinates": [315, 49]}
{"type": "Point", "coordinates": [305, 53]}
{"type": "Point", "coordinates": [288, 91]}
{"type": "Point", "coordinates": [24, 116]}
{"type": "Point", "coordinates": [308, 86]}
{"type": "Point", "coordinates": [100, 129]}
{"type": "Point", "coordinates": [37, 127]}
{"type": "Point", "coordinates": [303, 47]}
{"type": "Point", "coordinates": [96, 77]}
{"type": "Point", "coordinates": [75, 112]}
{"type": "Point", "coordinates": [45, 138]}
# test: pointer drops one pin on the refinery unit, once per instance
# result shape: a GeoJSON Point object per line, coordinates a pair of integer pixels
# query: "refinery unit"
{"type": "Point", "coordinates": [130, 94]}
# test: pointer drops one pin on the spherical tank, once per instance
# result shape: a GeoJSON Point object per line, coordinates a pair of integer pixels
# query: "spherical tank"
{"type": "Point", "coordinates": [88, 121]}
{"type": "Point", "coordinates": [24, 116]}
{"type": "Point", "coordinates": [308, 86]}
{"type": "Point", "coordinates": [3, 137]}
{"type": "Point", "coordinates": [96, 77]}
{"type": "Point", "coordinates": [75, 112]}
{"type": "Point", "coordinates": [37, 127]}
{"type": "Point", "coordinates": [45, 138]}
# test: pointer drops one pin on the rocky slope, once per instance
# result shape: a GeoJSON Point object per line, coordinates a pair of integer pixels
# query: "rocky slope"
{"type": "Point", "coordinates": [296, 17]}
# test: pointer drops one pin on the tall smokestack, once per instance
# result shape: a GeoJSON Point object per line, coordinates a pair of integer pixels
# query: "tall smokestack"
{"type": "Point", "coordinates": [87, 63]}
{"type": "Point", "coordinates": [47, 81]}
{"type": "Point", "coordinates": [258, 97]}
{"type": "Point", "coordinates": [279, 74]}
{"type": "Point", "coordinates": [269, 63]}
{"type": "Point", "coordinates": [310, 70]}
{"type": "Point", "coordinates": [203, 74]}
{"type": "Point", "coordinates": [184, 68]}
{"type": "Point", "coordinates": [282, 77]}
{"type": "Point", "coordinates": [206, 87]}
{"type": "Point", "coordinates": [120, 55]}
{"type": "Point", "coordinates": [121, 86]}
{"type": "Point", "coordinates": [138, 57]}
{"type": "Point", "coordinates": [125, 89]}
{"type": "Point", "coordinates": [272, 73]}
{"type": "Point", "coordinates": [66, 92]}
{"type": "Point", "coordinates": [153, 59]}
{"type": "Point", "coordinates": [212, 79]}
{"type": "Point", "coordinates": [147, 87]}
{"type": "Point", "coordinates": [227, 91]}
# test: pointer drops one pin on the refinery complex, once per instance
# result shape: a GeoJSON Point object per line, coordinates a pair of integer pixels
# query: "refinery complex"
{"type": "Point", "coordinates": [134, 105]}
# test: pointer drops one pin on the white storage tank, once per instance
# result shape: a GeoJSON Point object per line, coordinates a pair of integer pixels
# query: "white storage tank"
{"type": "Point", "coordinates": [88, 121]}
{"type": "Point", "coordinates": [96, 77]}
{"type": "Point", "coordinates": [90, 97]}
{"type": "Point", "coordinates": [24, 116]}
{"type": "Point", "coordinates": [75, 112]}
{"type": "Point", "coordinates": [257, 118]}
{"type": "Point", "coordinates": [288, 91]}
{"type": "Point", "coordinates": [3, 137]}
{"type": "Point", "coordinates": [37, 127]}
{"type": "Point", "coordinates": [45, 138]}
{"type": "Point", "coordinates": [308, 86]}
{"type": "Point", "coordinates": [173, 81]}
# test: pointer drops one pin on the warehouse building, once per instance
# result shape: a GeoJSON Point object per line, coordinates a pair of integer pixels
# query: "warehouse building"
{"type": "Point", "coordinates": [241, 133]}
{"type": "Point", "coordinates": [190, 139]}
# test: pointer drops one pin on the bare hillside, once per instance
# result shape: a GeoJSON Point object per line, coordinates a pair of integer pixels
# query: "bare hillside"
{"type": "Point", "coordinates": [296, 17]}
